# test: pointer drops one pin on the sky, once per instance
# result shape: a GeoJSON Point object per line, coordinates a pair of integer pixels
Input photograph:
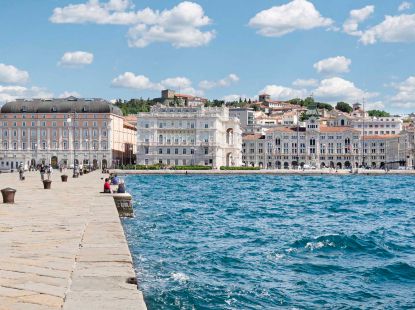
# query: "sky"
{"type": "Point", "coordinates": [337, 50]}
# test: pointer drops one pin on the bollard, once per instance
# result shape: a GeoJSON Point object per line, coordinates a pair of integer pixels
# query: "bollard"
{"type": "Point", "coordinates": [124, 206]}
{"type": "Point", "coordinates": [47, 184]}
{"type": "Point", "coordinates": [64, 178]}
{"type": "Point", "coordinates": [8, 195]}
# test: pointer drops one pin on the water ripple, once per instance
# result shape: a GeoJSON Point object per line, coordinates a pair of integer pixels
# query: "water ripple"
{"type": "Point", "coordinates": [264, 242]}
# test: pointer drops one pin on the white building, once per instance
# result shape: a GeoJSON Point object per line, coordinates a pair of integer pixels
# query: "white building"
{"type": "Point", "coordinates": [245, 115]}
{"type": "Point", "coordinates": [379, 126]}
{"type": "Point", "coordinates": [180, 136]}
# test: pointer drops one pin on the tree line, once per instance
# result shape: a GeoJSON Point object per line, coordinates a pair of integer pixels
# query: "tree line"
{"type": "Point", "coordinates": [134, 106]}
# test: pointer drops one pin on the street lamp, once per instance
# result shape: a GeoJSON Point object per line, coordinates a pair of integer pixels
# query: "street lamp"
{"type": "Point", "coordinates": [69, 120]}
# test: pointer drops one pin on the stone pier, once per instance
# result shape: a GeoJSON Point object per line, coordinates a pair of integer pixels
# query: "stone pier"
{"type": "Point", "coordinates": [64, 248]}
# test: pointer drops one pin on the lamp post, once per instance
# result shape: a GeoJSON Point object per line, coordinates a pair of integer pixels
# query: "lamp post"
{"type": "Point", "coordinates": [69, 120]}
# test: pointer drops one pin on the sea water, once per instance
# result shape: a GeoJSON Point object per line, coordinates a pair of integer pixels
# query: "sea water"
{"type": "Point", "coordinates": [266, 242]}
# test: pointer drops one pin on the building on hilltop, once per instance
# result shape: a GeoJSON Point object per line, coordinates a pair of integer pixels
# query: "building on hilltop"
{"type": "Point", "coordinates": [171, 98]}
{"type": "Point", "coordinates": [63, 131]}
{"type": "Point", "coordinates": [180, 136]}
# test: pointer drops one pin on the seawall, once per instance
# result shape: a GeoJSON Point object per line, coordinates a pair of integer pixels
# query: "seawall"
{"type": "Point", "coordinates": [64, 248]}
{"type": "Point", "coordinates": [267, 172]}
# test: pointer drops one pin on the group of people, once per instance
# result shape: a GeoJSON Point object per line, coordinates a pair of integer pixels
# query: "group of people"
{"type": "Point", "coordinates": [44, 169]}
{"type": "Point", "coordinates": [114, 180]}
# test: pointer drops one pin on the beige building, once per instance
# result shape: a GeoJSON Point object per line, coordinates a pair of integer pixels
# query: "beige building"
{"type": "Point", "coordinates": [180, 136]}
{"type": "Point", "coordinates": [63, 131]}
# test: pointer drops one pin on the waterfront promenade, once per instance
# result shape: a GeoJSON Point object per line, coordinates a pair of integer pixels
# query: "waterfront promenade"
{"type": "Point", "coordinates": [63, 248]}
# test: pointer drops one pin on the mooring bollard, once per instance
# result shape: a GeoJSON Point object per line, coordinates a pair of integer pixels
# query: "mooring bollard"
{"type": "Point", "coordinates": [8, 195]}
{"type": "Point", "coordinates": [47, 184]}
{"type": "Point", "coordinates": [124, 206]}
{"type": "Point", "coordinates": [64, 178]}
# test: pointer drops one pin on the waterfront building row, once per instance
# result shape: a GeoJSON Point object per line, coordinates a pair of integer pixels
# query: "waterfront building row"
{"type": "Point", "coordinates": [317, 146]}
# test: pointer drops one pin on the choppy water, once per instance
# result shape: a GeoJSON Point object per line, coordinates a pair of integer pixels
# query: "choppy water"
{"type": "Point", "coordinates": [263, 242]}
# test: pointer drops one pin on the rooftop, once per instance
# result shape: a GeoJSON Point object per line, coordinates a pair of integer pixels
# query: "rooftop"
{"type": "Point", "coordinates": [61, 105]}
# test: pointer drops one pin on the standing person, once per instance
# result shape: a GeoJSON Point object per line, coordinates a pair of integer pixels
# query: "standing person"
{"type": "Point", "coordinates": [21, 172]}
{"type": "Point", "coordinates": [49, 171]}
{"type": "Point", "coordinates": [42, 172]}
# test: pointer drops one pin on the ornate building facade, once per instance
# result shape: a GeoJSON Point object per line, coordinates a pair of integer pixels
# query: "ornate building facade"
{"type": "Point", "coordinates": [180, 136]}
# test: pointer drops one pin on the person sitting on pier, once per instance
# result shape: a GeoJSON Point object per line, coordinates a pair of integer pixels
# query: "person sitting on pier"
{"type": "Point", "coordinates": [115, 180]}
{"type": "Point", "coordinates": [121, 187]}
{"type": "Point", "coordinates": [107, 186]}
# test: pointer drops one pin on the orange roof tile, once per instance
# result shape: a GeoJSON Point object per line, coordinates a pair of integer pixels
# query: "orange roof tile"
{"type": "Point", "coordinates": [325, 129]}
{"type": "Point", "coordinates": [253, 137]}
{"type": "Point", "coordinates": [381, 137]}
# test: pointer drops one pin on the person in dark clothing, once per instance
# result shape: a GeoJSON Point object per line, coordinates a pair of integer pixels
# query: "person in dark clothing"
{"type": "Point", "coordinates": [42, 172]}
{"type": "Point", "coordinates": [121, 187]}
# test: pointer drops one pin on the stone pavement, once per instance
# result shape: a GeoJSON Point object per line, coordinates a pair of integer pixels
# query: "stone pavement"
{"type": "Point", "coordinates": [63, 248]}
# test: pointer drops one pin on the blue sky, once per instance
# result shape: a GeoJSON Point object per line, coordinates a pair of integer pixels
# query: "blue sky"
{"type": "Point", "coordinates": [217, 49]}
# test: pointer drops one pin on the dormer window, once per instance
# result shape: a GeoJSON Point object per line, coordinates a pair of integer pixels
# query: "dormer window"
{"type": "Point", "coordinates": [84, 109]}
{"type": "Point", "coordinates": [23, 109]}
{"type": "Point", "coordinates": [54, 109]}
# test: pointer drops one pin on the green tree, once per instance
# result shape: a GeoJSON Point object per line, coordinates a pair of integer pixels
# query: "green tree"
{"type": "Point", "coordinates": [322, 105]}
{"type": "Point", "coordinates": [378, 113]}
{"type": "Point", "coordinates": [344, 107]}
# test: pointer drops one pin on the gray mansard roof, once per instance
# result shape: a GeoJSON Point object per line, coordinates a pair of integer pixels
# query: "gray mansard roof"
{"type": "Point", "coordinates": [65, 105]}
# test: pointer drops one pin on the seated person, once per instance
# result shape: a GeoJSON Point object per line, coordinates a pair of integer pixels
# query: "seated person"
{"type": "Point", "coordinates": [115, 180]}
{"type": "Point", "coordinates": [107, 186]}
{"type": "Point", "coordinates": [121, 187]}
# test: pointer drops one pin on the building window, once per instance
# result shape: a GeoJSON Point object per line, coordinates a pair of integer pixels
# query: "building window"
{"type": "Point", "coordinates": [184, 151]}
{"type": "Point", "coordinates": [160, 151]}
{"type": "Point", "coordinates": [176, 151]}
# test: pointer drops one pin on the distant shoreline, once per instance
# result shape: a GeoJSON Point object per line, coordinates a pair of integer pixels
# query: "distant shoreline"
{"type": "Point", "coordinates": [265, 172]}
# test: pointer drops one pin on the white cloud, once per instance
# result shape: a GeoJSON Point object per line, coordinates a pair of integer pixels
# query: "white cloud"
{"type": "Point", "coordinates": [78, 58]}
{"type": "Point", "coordinates": [356, 17]}
{"type": "Point", "coordinates": [295, 15]}
{"type": "Point", "coordinates": [67, 94]}
{"type": "Point", "coordinates": [13, 92]}
{"type": "Point", "coordinates": [405, 6]}
{"type": "Point", "coordinates": [10, 74]}
{"type": "Point", "coordinates": [235, 97]}
{"type": "Point", "coordinates": [338, 64]}
{"type": "Point", "coordinates": [141, 82]}
{"type": "Point", "coordinates": [278, 92]}
{"type": "Point", "coordinates": [337, 89]}
{"type": "Point", "coordinates": [225, 82]}
{"type": "Point", "coordinates": [130, 80]}
{"type": "Point", "coordinates": [305, 83]}
{"type": "Point", "coordinates": [179, 26]}
{"type": "Point", "coordinates": [176, 83]}
{"type": "Point", "coordinates": [405, 96]}
{"type": "Point", "coordinates": [376, 105]}
{"type": "Point", "coordinates": [392, 29]}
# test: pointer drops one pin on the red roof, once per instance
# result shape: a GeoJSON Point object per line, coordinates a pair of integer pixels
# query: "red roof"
{"type": "Point", "coordinates": [381, 137]}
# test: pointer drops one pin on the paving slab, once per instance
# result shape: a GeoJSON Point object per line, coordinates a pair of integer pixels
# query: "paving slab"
{"type": "Point", "coordinates": [63, 248]}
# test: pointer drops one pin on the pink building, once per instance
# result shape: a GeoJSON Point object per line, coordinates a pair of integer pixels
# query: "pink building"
{"type": "Point", "coordinates": [62, 132]}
